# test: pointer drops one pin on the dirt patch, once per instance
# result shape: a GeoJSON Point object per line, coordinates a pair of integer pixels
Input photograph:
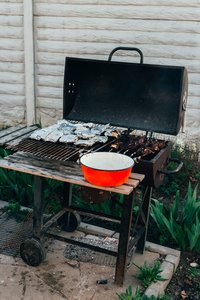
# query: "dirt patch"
{"type": "Point", "coordinates": [185, 283]}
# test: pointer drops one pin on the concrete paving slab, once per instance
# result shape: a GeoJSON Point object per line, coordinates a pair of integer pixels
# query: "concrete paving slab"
{"type": "Point", "coordinates": [54, 279]}
{"type": "Point", "coordinates": [95, 230]}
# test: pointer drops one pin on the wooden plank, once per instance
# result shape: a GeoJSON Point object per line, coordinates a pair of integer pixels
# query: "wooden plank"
{"type": "Point", "coordinates": [12, 44]}
{"type": "Point", "coordinates": [193, 102]}
{"type": "Point", "coordinates": [10, 101]}
{"type": "Point", "coordinates": [15, 142]}
{"type": "Point", "coordinates": [8, 20]}
{"type": "Point", "coordinates": [193, 121]}
{"type": "Point", "coordinates": [116, 24]}
{"type": "Point", "coordinates": [119, 36]}
{"type": "Point", "coordinates": [11, 9]}
{"type": "Point", "coordinates": [11, 32]}
{"type": "Point", "coordinates": [119, 11]}
{"type": "Point", "coordinates": [8, 77]}
{"type": "Point", "coordinates": [11, 56]}
{"type": "Point", "coordinates": [131, 182]}
{"type": "Point", "coordinates": [177, 3]}
{"type": "Point", "coordinates": [50, 103]}
{"type": "Point", "coordinates": [194, 90]}
{"type": "Point", "coordinates": [53, 70]}
{"type": "Point", "coordinates": [12, 89]}
{"type": "Point", "coordinates": [12, 67]}
{"type": "Point", "coordinates": [194, 78]}
{"type": "Point", "coordinates": [68, 172]}
{"type": "Point", "coordinates": [54, 81]}
{"type": "Point", "coordinates": [11, 130]}
{"type": "Point", "coordinates": [93, 48]}
{"type": "Point", "coordinates": [94, 52]}
{"type": "Point", "coordinates": [137, 176]}
{"type": "Point", "coordinates": [16, 134]}
{"type": "Point", "coordinates": [22, 137]}
{"type": "Point", "coordinates": [52, 92]}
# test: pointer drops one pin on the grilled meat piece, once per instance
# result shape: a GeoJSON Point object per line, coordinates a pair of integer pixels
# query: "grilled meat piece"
{"type": "Point", "coordinates": [134, 145]}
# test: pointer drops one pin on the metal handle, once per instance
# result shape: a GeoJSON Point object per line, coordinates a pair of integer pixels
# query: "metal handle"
{"type": "Point", "coordinates": [172, 171]}
{"type": "Point", "coordinates": [126, 48]}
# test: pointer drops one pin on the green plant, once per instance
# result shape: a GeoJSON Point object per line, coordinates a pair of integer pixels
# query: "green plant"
{"type": "Point", "coordinates": [129, 294]}
{"type": "Point", "coordinates": [162, 297]}
{"type": "Point", "coordinates": [150, 273]}
{"type": "Point", "coordinates": [189, 156]}
{"type": "Point", "coordinates": [15, 210]}
{"type": "Point", "coordinates": [183, 226]}
{"type": "Point", "coordinates": [194, 272]}
{"type": "Point", "coordinates": [138, 295]}
{"type": "Point", "coordinates": [169, 187]}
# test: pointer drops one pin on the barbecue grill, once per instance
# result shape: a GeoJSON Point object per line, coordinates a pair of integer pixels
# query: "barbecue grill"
{"type": "Point", "coordinates": [128, 96]}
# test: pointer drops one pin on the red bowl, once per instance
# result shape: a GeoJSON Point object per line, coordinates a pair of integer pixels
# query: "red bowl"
{"type": "Point", "coordinates": [106, 168]}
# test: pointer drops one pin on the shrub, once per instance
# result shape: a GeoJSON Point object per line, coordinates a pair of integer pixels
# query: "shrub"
{"type": "Point", "coordinates": [182, 225]}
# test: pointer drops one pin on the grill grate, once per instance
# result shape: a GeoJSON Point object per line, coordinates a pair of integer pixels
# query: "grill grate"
{"type": "Point", "coordinates": [55, 151]}
{"type": "Point", "coordinates": [131, 145]}
{"type": "Point", "coordinates": [46, 149]}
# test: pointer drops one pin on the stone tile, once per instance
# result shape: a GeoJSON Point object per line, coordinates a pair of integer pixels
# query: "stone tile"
{"type": "Point", "coordinates": [157, 288]}
{"type": "Point", "coordinates": [5, 259]}
{"type": "Point", "coordinates": [116, 235]}
{"type": "Point", "coordinates": [173, 259]}
{"type": "Point", "coordinates": [161, 249]}
{"type": "Point", "coordinates": [95, 230]}
{"type": "Point", "coordinates": [56, 280]}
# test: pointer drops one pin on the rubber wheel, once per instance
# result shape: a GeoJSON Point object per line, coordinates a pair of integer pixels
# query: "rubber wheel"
{"type": "Point", "coordinates": [32, 252]}
{"type": "Point", "coordinates": [71, 224]}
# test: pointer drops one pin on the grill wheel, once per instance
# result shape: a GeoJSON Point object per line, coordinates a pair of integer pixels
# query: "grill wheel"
{"type": "Point", "coordinates": [32, 252]}
{"type": "Point", "coordinates": [69, 221]}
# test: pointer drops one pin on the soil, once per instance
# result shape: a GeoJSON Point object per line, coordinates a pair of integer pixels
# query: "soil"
{"type": "Point", "coordinates": [185, 283]}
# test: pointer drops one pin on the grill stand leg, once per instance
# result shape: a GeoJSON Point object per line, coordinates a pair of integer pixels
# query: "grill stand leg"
{"type": "Point", "coordinates": [146, 209]}
{"type": "Point", "coordinates": [125, 229]}
{"type": "Point", "coordinates": [38, 207]}
{"type": "Point", "coordinates": [67, 195]}
{"type": "Point", "coordinates": [67, 199]}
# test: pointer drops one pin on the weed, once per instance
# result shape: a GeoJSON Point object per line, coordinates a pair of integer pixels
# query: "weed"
{"type": "Point", "coordinates": [150, 273]}
{"type": "Point", "coordinates": [194, 272]}
{"type": "Point", "coordinates": [129, 294]}
{"type": "Point", "coordinates": [138, 295]}
{"type": "Point", "coordinates": [14, 209]}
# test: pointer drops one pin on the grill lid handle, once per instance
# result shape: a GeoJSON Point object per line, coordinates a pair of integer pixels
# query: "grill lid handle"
{"type": "Point", "coordinates": [126, 48]}
{"type": "Point", "coordinates": [172, 171]}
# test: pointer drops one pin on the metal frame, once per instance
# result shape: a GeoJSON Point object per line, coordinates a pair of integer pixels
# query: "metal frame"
{"type": "Point", "coordinates": [126, 242]}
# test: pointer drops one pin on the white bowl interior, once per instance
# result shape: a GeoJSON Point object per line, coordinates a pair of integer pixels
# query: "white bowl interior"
{"type": "Point", "coordinates": [107, 161]}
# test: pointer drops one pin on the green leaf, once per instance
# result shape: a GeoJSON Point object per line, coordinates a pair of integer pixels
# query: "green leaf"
{"type": "Point", "coordinates": [176, 206]}
{"type": "Point", "coordinates": [194, 234]}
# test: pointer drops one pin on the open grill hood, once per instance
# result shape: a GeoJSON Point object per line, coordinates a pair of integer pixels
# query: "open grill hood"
{"type": "Point", "coordinates": [131, 95]}
{"type": "Point", "coordinates": [134, 96]}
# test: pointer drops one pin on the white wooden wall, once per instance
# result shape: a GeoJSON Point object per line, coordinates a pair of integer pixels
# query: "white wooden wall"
{"type": "Point", "coordinates": [12, 83]}
{"type": "Point", "coordinates": [167, 32]}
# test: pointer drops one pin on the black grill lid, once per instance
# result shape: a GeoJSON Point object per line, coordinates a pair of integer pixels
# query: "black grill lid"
{"type": "Point", "coordinates": [137, 96]}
